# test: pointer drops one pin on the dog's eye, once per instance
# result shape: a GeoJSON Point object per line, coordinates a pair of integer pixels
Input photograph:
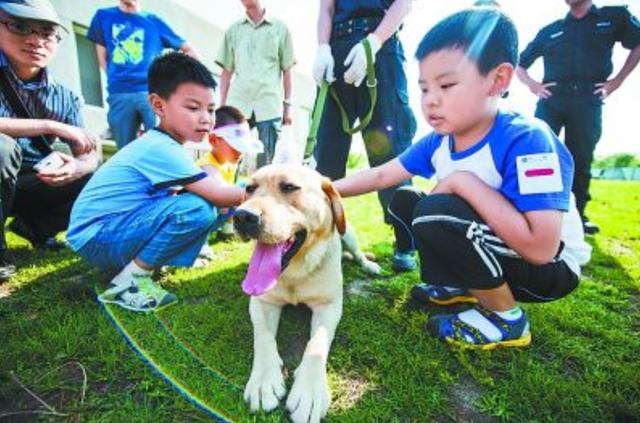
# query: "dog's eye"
{"type": "Point", "coordinates": [286, 187]}
{"type": "Point", "coordinates": [251, 188]}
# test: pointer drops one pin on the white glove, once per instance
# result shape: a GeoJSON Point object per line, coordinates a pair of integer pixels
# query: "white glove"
{"type": "Point", "coordinates": [323, 65]}
{"type": "Point", "coordinates": [357, 58]}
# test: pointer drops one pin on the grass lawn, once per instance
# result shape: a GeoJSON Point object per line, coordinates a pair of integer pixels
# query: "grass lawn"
{"type": "Point", "coordinates": [583, 364]}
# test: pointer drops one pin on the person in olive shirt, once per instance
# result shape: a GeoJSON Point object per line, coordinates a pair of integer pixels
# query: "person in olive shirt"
{"type": "Point", "coordinates": [577, 64]}
{"type": "Point", "coordinates": [257, 51]}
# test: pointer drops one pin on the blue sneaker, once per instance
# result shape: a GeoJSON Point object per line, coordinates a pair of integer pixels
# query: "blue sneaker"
{"type": "Point", "coordinates": [453, 330]}
{"type": "Point", "coordinates": [403, 262]}
{"type": "Point", "coordinates": [441, 295]}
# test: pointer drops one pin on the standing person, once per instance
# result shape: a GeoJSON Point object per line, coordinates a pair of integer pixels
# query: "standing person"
{"type": "Point", "coordinates": [577, 64]}
{"type": "Point", "coordinates": [40, 201]}
{"type": "Point", "coordinates": [342, 26]}
{"type": "Point", "coordinates": [127, 40]}
{"type": "Point", "coordinates": [258, 52]}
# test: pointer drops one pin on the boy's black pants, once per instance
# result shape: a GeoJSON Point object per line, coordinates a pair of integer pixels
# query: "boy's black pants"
{"type": "Point", "coordinates": [458, 249]}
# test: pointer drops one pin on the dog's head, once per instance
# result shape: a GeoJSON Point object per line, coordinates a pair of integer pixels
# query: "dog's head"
{"type": "Point", "coordinates": [288, 210]}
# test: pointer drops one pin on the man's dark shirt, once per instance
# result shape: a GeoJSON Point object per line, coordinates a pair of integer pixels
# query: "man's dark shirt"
{"type": "Point", "coordinates": [350, 9]}
{"type": "Point", "coordinates": [580, 50]}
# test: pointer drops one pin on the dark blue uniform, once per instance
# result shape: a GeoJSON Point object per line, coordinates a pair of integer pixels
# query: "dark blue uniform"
{"type": "Point", "coordinates": [393, 125]}
{"type": "Point", "coordinates": [577, 55]}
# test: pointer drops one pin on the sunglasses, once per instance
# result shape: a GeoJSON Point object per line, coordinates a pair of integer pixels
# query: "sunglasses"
{"type": "Point", "coordinates": [47, 34]}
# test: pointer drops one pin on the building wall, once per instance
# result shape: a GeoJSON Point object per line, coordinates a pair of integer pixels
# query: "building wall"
{"type": "Point", "coordinates": [205, 36]}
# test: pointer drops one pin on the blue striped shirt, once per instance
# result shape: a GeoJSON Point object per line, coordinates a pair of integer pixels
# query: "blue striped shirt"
{"type": "Point", "coordinates": [45, 99]}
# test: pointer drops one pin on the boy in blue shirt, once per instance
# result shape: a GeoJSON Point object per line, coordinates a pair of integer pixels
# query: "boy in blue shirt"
{"type": "Point", "coordinates": [127, 40]}
{"type": "Point", "coordinates": [130, 216]}
{"type": "Point", "coordinates": [501, 225]}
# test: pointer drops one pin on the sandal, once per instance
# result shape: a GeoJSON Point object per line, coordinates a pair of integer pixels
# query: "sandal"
{"type": "Point", "coordinates": [142, 295]}
{"type": "Point", "coordinates": [453, 330]}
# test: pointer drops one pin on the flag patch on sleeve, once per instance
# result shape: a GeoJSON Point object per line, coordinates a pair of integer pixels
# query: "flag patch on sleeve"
{"type": "Point", "coordinates": [539, 173]}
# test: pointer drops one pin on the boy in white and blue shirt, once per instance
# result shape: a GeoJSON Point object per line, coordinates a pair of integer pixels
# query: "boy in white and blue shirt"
{"type": "Point", "coordinates": [501, 224]}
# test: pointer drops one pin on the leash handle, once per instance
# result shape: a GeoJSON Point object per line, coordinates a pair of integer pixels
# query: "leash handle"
{"type": "Point", "coordinates": [372, 84]}
{"type": "Point", "coordinates": [316, 116]}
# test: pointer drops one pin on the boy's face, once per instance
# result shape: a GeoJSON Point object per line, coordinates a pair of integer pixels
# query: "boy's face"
{"type": "Point", "coordinates": [223, 151]}
{"type": "Point", "coordinates": [455, 96]}
{"type": "Point", "coordinates": [188, 113]}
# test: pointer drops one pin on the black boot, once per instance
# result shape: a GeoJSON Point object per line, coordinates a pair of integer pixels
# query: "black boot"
{"type": "Point", "coordinates": [6, 270]}
{"type": "Point", "coordinates": [22, 229]}
{"type": "Point", "coordinates": [590, 228]}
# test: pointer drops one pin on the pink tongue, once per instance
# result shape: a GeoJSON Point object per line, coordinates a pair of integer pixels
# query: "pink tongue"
{"type": "Point", "coordinates": [264, 268]}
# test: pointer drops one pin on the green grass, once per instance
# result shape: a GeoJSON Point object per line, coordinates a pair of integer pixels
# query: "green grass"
{"type": "Point", "coordinates": [583, 364]}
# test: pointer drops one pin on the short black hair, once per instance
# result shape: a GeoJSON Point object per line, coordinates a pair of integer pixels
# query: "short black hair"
{"type": "Point", "coordinates": [228, 115]}
{"type": "Point", "coordinates": [170, 70]}
{"type": "Point", "coordinates": [485, 34]}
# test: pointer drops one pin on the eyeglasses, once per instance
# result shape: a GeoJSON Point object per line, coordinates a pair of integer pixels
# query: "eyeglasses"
{"type": "Point", "coordinates": [48, 34]}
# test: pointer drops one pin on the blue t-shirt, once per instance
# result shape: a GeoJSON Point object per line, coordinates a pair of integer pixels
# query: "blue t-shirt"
{"type": "Point", "coordinates": [147, 169]}
{"type": "Point", "coordinates": [132, 42]}
{"type": "Point", "coordinates": [522, 159]}
{"type": "Point", "coordinates": [514, 141]}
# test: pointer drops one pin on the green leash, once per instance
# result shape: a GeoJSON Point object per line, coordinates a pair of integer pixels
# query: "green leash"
{"type": "Point", "coordinates": [318, 107]}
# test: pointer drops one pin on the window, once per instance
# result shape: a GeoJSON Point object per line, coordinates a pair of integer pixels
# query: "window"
{"type": "Point", "coordinates": [90, 82]}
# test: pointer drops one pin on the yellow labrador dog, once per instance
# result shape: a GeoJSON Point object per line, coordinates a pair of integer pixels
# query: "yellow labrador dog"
{"type": "Point", "coordinates": [297, 219]}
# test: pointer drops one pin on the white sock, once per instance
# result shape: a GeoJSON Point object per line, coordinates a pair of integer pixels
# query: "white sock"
{"type": "Point", "coordinates": [474, 318]}
{"type": "Point", "coordinates": [510, 315]}
{"type": "Point", "coordinates": [126, 274]}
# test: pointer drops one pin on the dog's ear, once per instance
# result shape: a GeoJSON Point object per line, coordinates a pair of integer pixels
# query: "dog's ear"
{"type": "Point", "coordinates": [336, 205]}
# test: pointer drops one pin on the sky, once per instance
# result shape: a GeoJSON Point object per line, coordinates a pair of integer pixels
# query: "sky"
{"type": "Point", "coordinates": [619, 132]}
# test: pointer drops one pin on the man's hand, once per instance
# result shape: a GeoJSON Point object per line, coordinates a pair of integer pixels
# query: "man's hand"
{"type": "Point", "coordinates": [286, 115]}
{"type": "Point", "coordinates": [82, 141]}
{"type": "Point", "coordinates": [357, 60]}
{"type": "Point", "coordinates": [605, 89]}
{"type": "Point", "coordinates": [541, 90]}
{"type": "Point", "coordinates": [63, 175]}
{"type": "Point", "coordinates": [323, 65]}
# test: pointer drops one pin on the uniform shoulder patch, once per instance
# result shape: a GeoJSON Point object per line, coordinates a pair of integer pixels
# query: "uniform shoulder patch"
{"type": "Point", "coordinates": [539, 173]}
{"type": "Point", "coordinates": [634, 21]}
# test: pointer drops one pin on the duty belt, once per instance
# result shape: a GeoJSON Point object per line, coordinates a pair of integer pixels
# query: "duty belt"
{"type": "Point", "coordinates": [355, 26]}
{"type": "Point", "coordinates": [574, 87]}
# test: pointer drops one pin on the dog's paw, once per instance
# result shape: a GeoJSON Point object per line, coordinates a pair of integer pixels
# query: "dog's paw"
{"type": "Point", "coordinates": [370, 267]}
{"type": "Point", "coordinates": [309, 397]}
{"type": "Point", "coordinates": [265, 388]}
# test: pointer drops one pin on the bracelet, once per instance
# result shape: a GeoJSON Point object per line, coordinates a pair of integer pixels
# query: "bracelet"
{"type": "Point", "coordinates": [287, 102]}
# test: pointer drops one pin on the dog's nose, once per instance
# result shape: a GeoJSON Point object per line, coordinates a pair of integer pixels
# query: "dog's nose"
{"type": "Point", "coordinates": [246, 222]}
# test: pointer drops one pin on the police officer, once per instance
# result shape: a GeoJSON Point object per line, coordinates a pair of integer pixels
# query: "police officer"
{"type": "Point", "coordinates": [342, 25]}
{"type": "Point", "coordinates": [577, 64]}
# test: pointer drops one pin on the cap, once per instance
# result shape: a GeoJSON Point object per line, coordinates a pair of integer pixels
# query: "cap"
{"type": "Point", "coordinates": [40, 10]}
{"type": "Point", "coordinates": [239, 137]}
